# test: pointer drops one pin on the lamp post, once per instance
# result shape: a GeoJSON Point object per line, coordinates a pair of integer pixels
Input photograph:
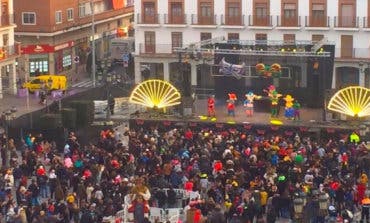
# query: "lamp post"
{"type": "Point", "coordinates": [93, 66]}
{"type": "Point", "coordinates": [109, 81]}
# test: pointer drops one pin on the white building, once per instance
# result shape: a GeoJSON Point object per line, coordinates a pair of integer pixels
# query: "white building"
{"type": "Point", "coordinates": [9, 50]}
{"type": "Point", "coordinates": [161, 25]}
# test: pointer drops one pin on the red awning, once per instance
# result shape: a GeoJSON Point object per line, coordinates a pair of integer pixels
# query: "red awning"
{"type": "Point", "coordinates": [117, 4]}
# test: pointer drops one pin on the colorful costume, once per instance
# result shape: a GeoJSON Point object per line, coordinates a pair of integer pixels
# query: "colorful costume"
{"type": "Point", "coordinates": [231, 104]}
{"type": "Point", "coordinates": [274, 97]}
{"type": "Point", "coordinates": [248, 103]}
{"type": "Point", "coordinates": [289, 110]}
{"type": "Point", "coordinates": [296, 107]}
{"type": "Point", "coordinates": [211, 106]}
{"type": "Point", "coordinates": [230, 108]}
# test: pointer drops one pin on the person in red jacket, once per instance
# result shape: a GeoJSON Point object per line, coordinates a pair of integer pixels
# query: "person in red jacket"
{"type": "Point", "coordinates": [211, 106]}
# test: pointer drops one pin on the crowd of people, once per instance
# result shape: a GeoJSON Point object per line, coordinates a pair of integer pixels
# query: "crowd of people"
{"type": "Point", "coordinates": [228, 175]}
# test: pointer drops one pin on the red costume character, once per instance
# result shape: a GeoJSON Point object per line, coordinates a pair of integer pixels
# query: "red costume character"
{"type": "Point", "coordinates": [211, 106]}
{"type": "Point", "coordinates": [231, 104]}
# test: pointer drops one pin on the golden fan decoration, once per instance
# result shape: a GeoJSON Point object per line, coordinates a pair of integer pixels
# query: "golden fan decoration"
{"type": "Point", "coordinates": [353, 101]}
{"type": "Point", "coordinates": [155, 94]}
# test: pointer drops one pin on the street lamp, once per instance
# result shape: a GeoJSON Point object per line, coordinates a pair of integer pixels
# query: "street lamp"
{"type": "Point", "coordinates": [93, 66]}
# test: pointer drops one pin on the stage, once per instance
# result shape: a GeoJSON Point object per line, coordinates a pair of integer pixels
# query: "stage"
{"type": "Point", "coordinates": [311, 121]}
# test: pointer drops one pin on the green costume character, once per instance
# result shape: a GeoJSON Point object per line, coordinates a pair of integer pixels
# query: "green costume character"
{"type": "Point", "coordinates": [274, 97]}
{"type": "Point", "coordinates": [297, 107]}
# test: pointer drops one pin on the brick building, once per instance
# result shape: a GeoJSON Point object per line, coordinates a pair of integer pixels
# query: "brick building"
{"type": "Point", "coordinates": [56, 33]}
{"type": "Point", "coordinates": [9, 49]}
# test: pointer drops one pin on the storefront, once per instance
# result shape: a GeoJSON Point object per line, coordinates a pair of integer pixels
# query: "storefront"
{"type": "Point", "coordinates": [44, 59]}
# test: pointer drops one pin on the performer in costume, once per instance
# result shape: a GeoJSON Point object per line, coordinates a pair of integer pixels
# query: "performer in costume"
{"type": "Point", "coordinates": [248, 103]}
{"type": "Point", "coordinates": [231, 104]}
{"type": "Point", "coordinates": [274, 98]}
{"type": "Point", "coordinates": [140, 196]}
{"type": "Point", "coordinates": [297, 107]}
{"type": "Point", "coordinates": [211, 106]}
{"type": "Point", "coordinates": [289, 110]}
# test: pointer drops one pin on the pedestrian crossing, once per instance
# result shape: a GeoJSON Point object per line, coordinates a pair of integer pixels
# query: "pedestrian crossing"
{"type": "Point", "coordinates": [83, 84]}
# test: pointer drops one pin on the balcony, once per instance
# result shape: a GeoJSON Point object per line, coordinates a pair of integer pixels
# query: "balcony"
{"type": "Point", "coordinates": [260, 21]}
{"type": "Point", "coordinates": [175, 19]}
{"type": "Point", "coordinates": [288, 22]}
{"type": "Point", "coordinates": [352, 53]}
{"type": "Point", "coordinates": [346, 22]}
{"type": "Point", "coordinates": [157, 49]}
{"type": "Point", "coordinates": [6, 20]}
{"type": "Point", "coordinates": [317, 22]}
{"type": "Point", "coordinates": [199, 20]}
{"type": "Point", "coordinates": [147, 19]}
{"type": "Point", "coordinates": [227, 20]}
{"type": "Point", "coordinates": [10, 52]}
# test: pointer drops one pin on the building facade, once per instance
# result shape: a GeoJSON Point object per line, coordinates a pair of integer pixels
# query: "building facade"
{"type": "Point", "coordinates": [56, 36]}
{"type": "Point", "coordinates": [161, 25]}
{"type": "Point", "coordinates": [9, 49]}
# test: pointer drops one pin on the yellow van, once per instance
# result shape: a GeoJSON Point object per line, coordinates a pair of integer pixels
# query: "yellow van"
{"type": "Point", "coordinates": [46, 82]}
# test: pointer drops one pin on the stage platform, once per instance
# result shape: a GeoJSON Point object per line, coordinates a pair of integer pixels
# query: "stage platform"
{"type": "Point", "coordinates": [311, 121]}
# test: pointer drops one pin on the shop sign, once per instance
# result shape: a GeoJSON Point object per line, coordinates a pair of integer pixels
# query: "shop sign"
{"type": "Point", "coordinates": [45, 48]}
{"type": "Point", "coordinates": [63, 46]}
{"type": "Point", "coordinates": [33, 49]}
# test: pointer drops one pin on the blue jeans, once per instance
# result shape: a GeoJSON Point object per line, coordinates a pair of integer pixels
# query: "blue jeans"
{"type": "Point", "coordinates": [44, 191]}
{"type": "Point", "coordinates": [35, 201]}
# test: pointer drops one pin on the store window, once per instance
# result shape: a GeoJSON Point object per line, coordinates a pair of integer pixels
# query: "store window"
{"type": "Point", "coordinates": [205, 36]}
{"type": "Point", "coordinates": [38, 63]}
{"type": "Point", "coordinates": [28, 18]}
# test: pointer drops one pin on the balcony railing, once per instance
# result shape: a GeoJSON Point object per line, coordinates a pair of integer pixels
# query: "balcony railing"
{"type": "Point", "coordinates": [366, 22]}
{"type": "Point", "coordinates": [203, 20]}
{"type": "Point", "coordinates": [257, 20]}
{"type": "Point", "coordinates": [314, 21]}
{"type": "Point", "coordinates": [346, 22]}
{"type": "Point", "coordinates": [6, 20]}
{"type": "Point", "coordinates": [352, 53]}
{"type": "Point", "coordinates": [175, 19]}
{"type": "Point", "coordinates": [294, 21]}
{"type": "Point", "coordinates": [229, 20]}
{"type": "Point", "coordinates": [7, 52]}
{"type": "Point", "coordinates": [147, 19]}
{"type": "Point", "coordinates": [155, 49]}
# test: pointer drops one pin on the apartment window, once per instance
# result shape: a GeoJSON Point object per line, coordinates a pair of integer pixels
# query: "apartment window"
{"type": "Point", "coordinates": [317, 37]}
{"type": "Point", "coordinates": [205, 36]}
{"type": "Point", "coordinates": [318, 11]}
{"type": "Point", "coordinates": [149, 8]}
{"type": "Point", "coordinates": [70, 14]}
{"type": "Point", "coordinates": [176, 39]}
{"type": "Point", "coordinates": [261, 10]}
{"type": "Point", "coordinates": [348, 15]}
{"type": "Point", "coordinates": [289, 10]}
{"type": "Point", "coordinates": [289, 39]}
{"type": "Point", "coordinates": [149, 37]}
{"type": "Point", "coordinates": [233, 36]}
{"type": "Point", "coordinates": [28, 18]}
{"type": "Point", "coordinates": [176, 13]}
{"type": "Point", "coordinates": [205, 9]}
{"type": "Point", "coordinates": [58, 17]}
{"type": "Point", "coordinates": [129, 3]}
{"type": "Point", "coordinates": [261, 37]}
{"type": "Point", "coordinates": [5, 39]}
{"type": "Point", "coordinates": [84, 9]}
{"type": "Point", "coordinates": [233, 9]}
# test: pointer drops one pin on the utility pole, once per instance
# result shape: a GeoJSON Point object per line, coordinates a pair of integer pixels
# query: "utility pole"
{"type": "Point", "coordinates": [93, 71]}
